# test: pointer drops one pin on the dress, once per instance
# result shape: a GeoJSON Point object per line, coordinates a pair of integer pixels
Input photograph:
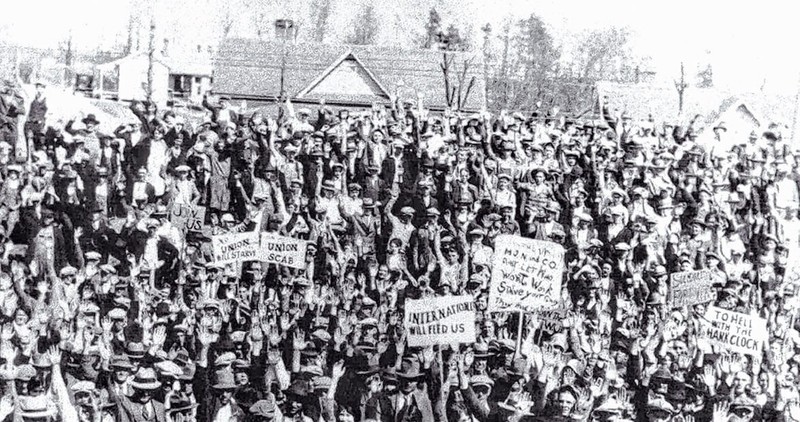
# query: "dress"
{"type": "Point", "coordinates": [220, 196]}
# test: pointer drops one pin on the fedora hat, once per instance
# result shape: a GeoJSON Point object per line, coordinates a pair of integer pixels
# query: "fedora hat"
{"type": "Point", "coordinates": [35, 407]}
{"type": "Point", "coordinates": [225, 380]}
{"type": "Point", "coordinates": [145, 379]}
{"type": "Point", "coordinates": [410, 369]}
{"type": "Point", "coordinates": [90, 119]}
{"type": "Point", "coordinates": [120, 362]}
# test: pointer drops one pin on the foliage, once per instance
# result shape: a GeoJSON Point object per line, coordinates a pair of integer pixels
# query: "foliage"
{"type": "Point", "coordinates": [365, 27]}
{"type": "Point", "coordinates": [527, 70]}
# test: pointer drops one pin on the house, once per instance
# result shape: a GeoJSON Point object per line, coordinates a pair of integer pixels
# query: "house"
{"type": "Point", "coordinates": [343, 75]}
{"type": "Point", "coordinates": [189, 79]}
{"type": "Point", "coordinates": [127, 79]}
{"type": "Point", "coordinates": [742, 113]}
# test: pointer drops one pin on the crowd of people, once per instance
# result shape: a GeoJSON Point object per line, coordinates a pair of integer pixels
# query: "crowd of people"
{"type": "Point", "coordinates": [111, 311]}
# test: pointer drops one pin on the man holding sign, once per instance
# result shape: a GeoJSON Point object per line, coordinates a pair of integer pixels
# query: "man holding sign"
{"type": "Point", "coordinates": [526, 274]}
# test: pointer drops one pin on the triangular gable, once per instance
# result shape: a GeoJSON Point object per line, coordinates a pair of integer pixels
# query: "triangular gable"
{"type": "Point", "coordinates": [347, 75]}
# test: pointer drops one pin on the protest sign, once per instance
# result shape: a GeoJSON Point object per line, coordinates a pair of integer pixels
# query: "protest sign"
{"type": "Point", "coordinates": [692, 287]}
{"type": "Point", "coordinates": [186, 217]}
{"type": "Point", "coordinates": [282, 250]}
{"type": "Point", "coordinates": [526, 274]}
{"type": "Point", "coordinates": [551, 319]}
{"type": "Point", "coordinates": [735, 331]}
{"type": "Point", "coordinates": [440, 320]}
{"type": "Point", "coordinates": [237, 247]}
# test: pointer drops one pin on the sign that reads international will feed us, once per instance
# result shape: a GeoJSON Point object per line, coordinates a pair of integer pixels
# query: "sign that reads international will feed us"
{"type": "Point", "coordinates": [237, 247]}
{"type": "Point", "coordinates": [692, 287]}
{"type": "Point", "coordinates": [735, 331]}
{"type": "Point", "coordinates": [526, 274]}
{"type": "Point", "coordinates": [440, 320]}
{"type": "Point", "coordinates": [283, 250]}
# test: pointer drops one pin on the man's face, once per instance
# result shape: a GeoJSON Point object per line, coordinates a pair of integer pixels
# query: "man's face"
{"type": "Point", "coordinates": [565, 404]}
{"type": "Point", "coordinates": [225, 396]}
{"type": "Point", "coordinates": [121, 375]}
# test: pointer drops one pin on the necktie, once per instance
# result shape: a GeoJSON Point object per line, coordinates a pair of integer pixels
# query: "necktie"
{"type": "Point", "coordinates": [147, 412]}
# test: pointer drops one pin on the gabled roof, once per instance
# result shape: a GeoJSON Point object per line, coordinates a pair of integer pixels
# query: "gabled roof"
{"type": "Point", "coordinates": [383, 92]}
{"type": "Point", "coordinates": [641, 100]}
{"type": "Point", "coordinates": [251, 69]}
{"type": "Point", "coordinates": [130, 57]}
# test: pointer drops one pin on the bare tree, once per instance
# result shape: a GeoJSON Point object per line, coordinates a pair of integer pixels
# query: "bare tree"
{"type": "Point", "coordinates": [322, 12]}
{"type": "Point", "coordinates": [458, 84]}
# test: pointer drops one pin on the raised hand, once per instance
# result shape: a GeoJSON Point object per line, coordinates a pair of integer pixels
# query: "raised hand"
{"type": "Point", "coordinates": [298, 340]}
{"type": "Point", "coordinates": [338, 370]}
{"type": "Point", "coordinates": [106, 323]}
{"type": "Point", "coordinates": [708, 377]}
{"type": "Point", "coordinates": [721, 412]}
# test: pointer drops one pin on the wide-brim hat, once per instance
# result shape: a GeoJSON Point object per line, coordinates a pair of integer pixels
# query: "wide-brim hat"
{"type": "Point", "coordinates": [410, 369]}
{"type": "Point", "coordinates": [90, 119]}
{"type": "Point", "coordinates": [35, 407]}
{"type": "Point", "coordinates": [225, 380]}
{"type": "Point", "coordinates": [145, 379]}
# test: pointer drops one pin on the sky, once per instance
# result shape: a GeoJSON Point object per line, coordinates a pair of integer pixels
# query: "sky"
{"type": "Point", "coordinates": [748, 43]}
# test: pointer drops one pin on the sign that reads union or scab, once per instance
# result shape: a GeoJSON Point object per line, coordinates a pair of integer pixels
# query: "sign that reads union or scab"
{"type": "Point", "coordinates": [526, 274]}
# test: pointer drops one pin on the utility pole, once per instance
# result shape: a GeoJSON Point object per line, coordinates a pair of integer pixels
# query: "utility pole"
{"type": "Point", "coordinates": [151, 50]}
{"type": "Point", "coordinates": [283, 29]}
{"type": "Point", "coordinates": [68, 60]}
{"type": "Point", "coordinates": [681, 87]}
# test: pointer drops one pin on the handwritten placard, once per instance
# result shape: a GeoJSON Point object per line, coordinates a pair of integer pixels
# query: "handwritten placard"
{"type": "Point", "coordinates": [735, 331]}
{"type": "Point", "coordinates": [238, 247]}
{"type": "Point", "coordinates": [283, 250]}
{"type": "Point", "coordinates": [526, 274]}
{"type": "Point", "coordinates": [186, 217]}
{"type": "Point", "coordinates": [688, 288]}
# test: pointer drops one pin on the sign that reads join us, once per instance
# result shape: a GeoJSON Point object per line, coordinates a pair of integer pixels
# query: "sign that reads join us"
{"type": "Point", "coordinates": [440, 320]}
{"type": "Point", "coordinates": [526, 274]}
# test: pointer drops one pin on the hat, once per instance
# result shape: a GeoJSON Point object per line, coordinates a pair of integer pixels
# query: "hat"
{"type": "Point", "coordinates": [225, 380]}
{"type": "Point", "coordinates": [93, 256]}
{"type": "Point", "coordinates": [660, 404]}
{"type": "Point", "coordinates": [659, 271]}
{"type": "Point", "coordinates": [25, 372]}
{"type": "Point", "coordinates": [35, 406]}
{"type": "Point", "coordinates": [135, 350]}
{"type": "Point", "coordinates": [410, 369]}
{"type": "Point", "coordinates": [432, 212]}
{"type": "Point", "coordinates": [41, 361]}
{"type": "Point", "coordinates": [168, 368]}
{"type": "Point", "coordinates": [86, 386]}
{"type": "Point", "coordinates": [68, 271]}
{"type": "Point", "coordinates": [90, 119]}
{"type": "Point", "coordinates": [117, 314]}
{"type": "Point", "coordinates": [263, 408]}
{"type": "Point", "coordinates": [328, 185]}
{"type": "Point", "coordinates": [182, 168]}
{"type": "Point", "coordinates": [407, 211]}
{"type": "Point", "coordinates": [481, 379]}
{"type": "Point", "coordinates": [145, 379]}
{"type": "Point", "coordinates": [120, 362]}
